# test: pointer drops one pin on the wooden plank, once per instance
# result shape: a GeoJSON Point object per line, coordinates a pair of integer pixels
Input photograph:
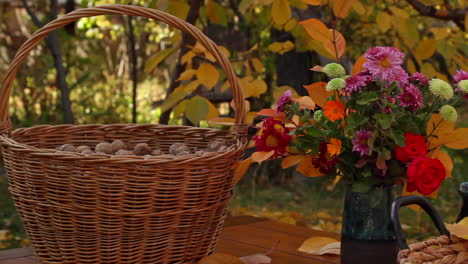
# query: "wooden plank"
{"type": "Point", "coordinates": [242, 220]}
{"type": "Point", "coordinates": [20, 260]}
{"type": "Point", "coordinates": [267, 238]}
{"type": "Point", "coordinates": [240, 249]}
{"type": "Point", "coordinates": [293, 230]}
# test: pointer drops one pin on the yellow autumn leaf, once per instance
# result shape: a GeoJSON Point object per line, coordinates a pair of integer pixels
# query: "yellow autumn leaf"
{"type": "Point", "coordinates": [425, 49]}
{"type": "Point", "coordinates": [384, 21]}
{"type": "Point", "coordinates": [444, 133]}
{"type": "Point", "coordinates": [275, 47]}
{"type": "Point", "coordinates": [187, 75]}
{"type": "Point", "coordinates": [180, 108]}
{"type": "Point", "coordinates": [445, 159]}
{"type": "Point", "coordinates": [440, 32]}
{"type": "Point", "coordinates": [157, 58]}
{"type": "Point", "coordinates": [290, 25]}
{"type": "Point", "coordinates": [196, 109]}
{"type": "Point", "coordinates": [316, 29]}
{"type": "Point", "coordinates": [359, 8]}
{"type": "Point", "coordinates": [318, 93]}
{"type": "Point", "coordinates": [399, 12]}
{"type": "Point", "coordinates": [459, 229]}
{"type": "Point", "coordinates": [241, 168]}
{"type": "Point", "coordinates": [313, 2]}
{"type": "Point", "coordinates": [178, 8]}
{"type": "Point", "coordinates": [292, 160]}
{"type": "Point", "coordinates": [173, 99]}
{"type": "Point", "coordinates": [208, 75]}
{"type": "Point", "coordinates": [212, 12]}
{"type": "Point", "coordinates": [226, 85]}
{"type": "Point", "coordinates": [188, 57]}
{"type": "Point", "coordinates": [410, 65]}
{"type": "Point", "coordinates": [249, 119]}
{"type": "Point", "coordinates": [280, 11]}
{"type": "Point", "coordinates": [279, 91]}
{"type": "Point", "coordinates": [225, 51]}
{"type": "Point", "coordinates": [253, 88]}
{"type": "Point", "coordinates": [428, 70]}
{"type": "Point", "coordinates": [306, 168]}
{"type": "Point", "coordinates": [341, 7]}
{"type": "Point", "coordinates": [315, 244]}
{"type": "Point", "coordinates": [257, 65]}
{"type": "Point", "coordinates": [261, 156]}
{"type": "Point", "coordinates": [191, 86]}
{"type": "Point", "coordinates": [212, 110]}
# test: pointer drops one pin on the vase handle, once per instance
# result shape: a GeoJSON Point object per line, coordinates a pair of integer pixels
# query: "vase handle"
{"type": "Point", "coordinates": [424, 204]}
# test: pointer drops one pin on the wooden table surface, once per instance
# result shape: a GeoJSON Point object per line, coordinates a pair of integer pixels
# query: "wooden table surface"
{"type": "Point", "coordinates": [241, 236]}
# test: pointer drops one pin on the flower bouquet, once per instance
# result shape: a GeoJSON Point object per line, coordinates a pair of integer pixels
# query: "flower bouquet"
{"type": "Point", "coordinates": [375, 129]}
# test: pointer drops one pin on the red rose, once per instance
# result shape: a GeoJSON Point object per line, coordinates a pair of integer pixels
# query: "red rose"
{"type": "Point", "coordinates": [425, 175]}
{"type": "Point", "coordinates": [415, 147]}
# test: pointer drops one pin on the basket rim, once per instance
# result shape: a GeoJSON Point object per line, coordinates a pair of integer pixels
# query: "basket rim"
{"type": "Point", "coordinates": [8, 140]}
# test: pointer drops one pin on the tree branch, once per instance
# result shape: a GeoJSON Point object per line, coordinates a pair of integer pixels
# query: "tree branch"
{"type": "Point", "coordinates": [455, 15]}
{"type": "Point", "coordinates": [133, 68]}
{"type": "Point", "coordinates": [31, 13]}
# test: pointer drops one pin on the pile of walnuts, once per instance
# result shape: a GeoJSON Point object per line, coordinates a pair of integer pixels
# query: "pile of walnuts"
{"type": "Point", "coordinates": [120, 148]}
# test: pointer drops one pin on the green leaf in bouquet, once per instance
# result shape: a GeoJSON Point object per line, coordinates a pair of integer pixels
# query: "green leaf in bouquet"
{"type": "Point", "coordinates": [366, 98]}
{"type": "Point", "coordinates": [399, 137]}
{"type": "Point", "coordinates": [372, 139]}
{"type": "Point", "coordinates": [313, 131]}
{"type": "Point", "coordinates": [385, 120]}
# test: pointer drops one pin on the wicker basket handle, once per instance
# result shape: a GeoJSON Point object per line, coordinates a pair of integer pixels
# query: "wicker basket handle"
{"type": "Point", "coordinates": [116, 9]}
{"type": "Point", "coordinates": [424, 204]}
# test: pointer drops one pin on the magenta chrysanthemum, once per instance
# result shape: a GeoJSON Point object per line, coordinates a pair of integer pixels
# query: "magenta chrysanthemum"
{"type": "Point", "coordinates": [411, 98]}
{"type": "Point", "coordinates": [460, 75]}
{"type": "Point", "coordinates": [360, 142]}
{"type": "Point", "coordinates": [283, 100]}
{"type": "Point", "coordinates": [420, 78]}
{"type": "Point", "coordinates": [354, 83]}
{"type": "Point", "coordinates": [384, 63]}
{"type": "Point", "coordinates": [401, 77]}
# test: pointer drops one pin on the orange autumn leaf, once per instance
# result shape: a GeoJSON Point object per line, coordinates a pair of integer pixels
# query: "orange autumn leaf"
{"type": "Point", "coordinates": [444, 133]}
{"type": "Point", "coordinates": [224, 121]}
{"type": "Point", "coordinates": [358, 65]}
{"type": "Point", "coordinates": [317, 68]}
{"type": "Point", "coordinates": [318, 93]}
{"type": "Point", "coordinates": [341, 7]}
{"type": "Point", "coordinates": [317, 30]}
{"type": "Point", "coordinates": [261, 156]}
{"type": "Point", "coordinates": [267, 112]}
{"type": "Point", "coordinates": [241, 168]}
{"type": "Point", "coordinates": [305, 102]}
{"type": "Point", "coordinates": [306, 168]}
{"type": "Point", "coordinates": [313, 2]}
{"type": "Point", "coordinates": [337, 40]}
{"type": "Point", "coordinates": [445, 159]}
{"type": "Point", "coordinates": [292, 160]}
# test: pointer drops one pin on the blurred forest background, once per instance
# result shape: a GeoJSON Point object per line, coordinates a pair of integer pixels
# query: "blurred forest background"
{"type": "Point", "coordinates": [123, 69]}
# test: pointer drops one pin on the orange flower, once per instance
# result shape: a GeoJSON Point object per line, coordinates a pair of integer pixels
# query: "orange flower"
{"type": "Point", "coordinates": [334, 110]}
{"type": "Point", "coordinates": [334, 147]}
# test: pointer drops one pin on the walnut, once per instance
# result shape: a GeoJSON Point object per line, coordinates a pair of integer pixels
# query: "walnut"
{"type": "Point", "coordinates": [67, 147]}
{"type": "Point", "coordinates": [216, 144]}
{"type": "Point", "coordinates": [142, 149]}
{"type": "Point", "coordinates": [183, 153]}
{"type": "Point", "coordinates": [87, 151]}
{"type": "Point", "coordinates": [178, 147]}
{"type": "Point", "coordinates": [104, 147]}
{"type": "Point", "coordinates": [123, 152]}
{"type": "Point", "coordinates": [156, 152]}
{"type": "Point", "coordinates": [118, 145]}
{"type": "Point", "coordinates": [82, 148]}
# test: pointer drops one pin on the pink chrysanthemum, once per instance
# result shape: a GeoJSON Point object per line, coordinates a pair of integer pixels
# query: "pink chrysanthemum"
{"type": "Point", "coordinates": [354, 83]}
{"type": "Point", "coordinates": [360, 142]}
{"type": "Point", "coordinates": [411, 98]}
{"type": "Point", "coordinates": [384, 63]}
{"type": "Point", "coordinates": [460, 75]}
{"type": "Point", "coordinates": [401, 77]}
{"type": "Point", "coordinates": [283, 101]}
{"type": "Point", "coordinates": [420, 78]}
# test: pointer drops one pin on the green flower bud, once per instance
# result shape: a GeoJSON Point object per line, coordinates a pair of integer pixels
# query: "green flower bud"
{"type": "Point", "coordinates": [449, 113]}
{"type": "Point", "coordinates": [333, 70]}
{"type": "Point", "coordinates": [463, 85]}
{"type": "Point", "coordinates": [335, 84]}
{"type": "Point", "coordinates": [318, 116]}
{"type": "Point", "coordinates": [441, 89]}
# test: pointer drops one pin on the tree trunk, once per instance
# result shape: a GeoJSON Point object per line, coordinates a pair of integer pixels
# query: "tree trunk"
{"type": "Point", "coordinates": [187, 39]}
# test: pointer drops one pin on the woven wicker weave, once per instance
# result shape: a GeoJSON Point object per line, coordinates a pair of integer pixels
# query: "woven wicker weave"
{"type": "Point", "coordinates": [120, 209]}
{"type": "Point", "coordinates": [439, 250]}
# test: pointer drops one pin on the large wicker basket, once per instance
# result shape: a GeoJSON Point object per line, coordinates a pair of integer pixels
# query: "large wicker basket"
{"type": "Point", "coordinates": [120, 209]}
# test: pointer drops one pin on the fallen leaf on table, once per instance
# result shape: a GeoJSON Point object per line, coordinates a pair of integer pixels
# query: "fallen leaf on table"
{"type": "Point", "coordinates": [459, 229]}
{"type": "Point", "coordinates": [321, 246]}
{"type": "Point", "coordinates": [256, 259]}
{"type": "Point", "coordinates": [220, 258]}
